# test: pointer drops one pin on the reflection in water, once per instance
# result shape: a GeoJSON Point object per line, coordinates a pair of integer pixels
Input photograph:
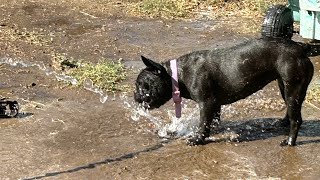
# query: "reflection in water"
{"type": "Point", "coordinates": [291, 161]}
{"type": "Point", "coordinates": [48, 71]}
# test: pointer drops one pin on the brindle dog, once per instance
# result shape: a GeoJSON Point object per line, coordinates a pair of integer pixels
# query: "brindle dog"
{"type": "Point", "coordinates": [214, 78]}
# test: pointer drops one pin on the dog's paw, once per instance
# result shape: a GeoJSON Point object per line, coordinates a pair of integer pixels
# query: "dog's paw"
{"type": "Point", "coordinates": [287, 142]}
{"type": "Point", "coordinates": [194, 141]}
{"type": "Point", "coordinates": [284, 142]}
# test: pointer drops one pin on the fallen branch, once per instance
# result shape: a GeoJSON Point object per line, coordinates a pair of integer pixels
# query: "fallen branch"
{"type": "Point", "coordinates": [87, 14]}
{"type": "Point", "coordinates": [312, 105]}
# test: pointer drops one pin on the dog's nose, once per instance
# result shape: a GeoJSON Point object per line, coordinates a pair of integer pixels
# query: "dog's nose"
{"type": "Point", "coordinates": [146, 98]}
{"type": "Point", "coordinates": [137, 97]}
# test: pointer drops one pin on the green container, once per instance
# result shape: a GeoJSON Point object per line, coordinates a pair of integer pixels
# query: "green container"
{"type": "Point", "coordinates": [310, 5]}
{"type": "Point", "coordinates": [310, 24]}
{"type": "Point", "coordinates": [310, 19]}
{"type": "Point", "coordinates": [295, 8]}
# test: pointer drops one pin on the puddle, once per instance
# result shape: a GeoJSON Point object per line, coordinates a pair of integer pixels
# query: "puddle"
{"type": "Point", "coordinates": [167, 125]}
{"type": "Point", "coordinates": [98, 135]}
{"type": "Point", "coordinates": [48, 71]}
{"type": "Point", "coordinates": [88, 84]}
{"type": "Point", "coordinates": [234, 128]}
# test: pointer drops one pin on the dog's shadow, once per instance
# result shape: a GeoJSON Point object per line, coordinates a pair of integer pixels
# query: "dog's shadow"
{"type": "Point", "coordinates": [262, 128]}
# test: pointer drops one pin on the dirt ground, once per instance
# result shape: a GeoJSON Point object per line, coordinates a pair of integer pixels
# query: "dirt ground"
{"type": "Point", "coordinates": [65, 132]}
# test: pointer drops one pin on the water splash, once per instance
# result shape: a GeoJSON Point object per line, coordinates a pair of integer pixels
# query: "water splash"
{"type": "Point", "coordinates": [185, 126]}
{"type": "Point", "coordinates": [168, 126]}
{"type": "Point", "coordinates": [42, 67]}
{"type": "Point", "coordinates": [88, 85]}
{"type": "Point", "coordinates": [164, 121]}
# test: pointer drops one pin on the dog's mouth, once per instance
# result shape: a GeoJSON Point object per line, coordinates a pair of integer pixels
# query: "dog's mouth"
{"type": "Point", "coordinates": [146, 105]}
{"type": "Point", "coordinates": [145, 100]}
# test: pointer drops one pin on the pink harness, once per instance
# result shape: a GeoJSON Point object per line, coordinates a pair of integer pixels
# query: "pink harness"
{"type": "Point", "coordinates": [175, 87]}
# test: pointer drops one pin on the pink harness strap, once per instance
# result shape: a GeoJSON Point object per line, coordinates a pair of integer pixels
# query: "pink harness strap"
{"type": "Point", "coordinates": [175, 88]}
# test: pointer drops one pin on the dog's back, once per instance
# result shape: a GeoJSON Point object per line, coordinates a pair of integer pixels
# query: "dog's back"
{"type": "Point", "coordinates": [241, 70]}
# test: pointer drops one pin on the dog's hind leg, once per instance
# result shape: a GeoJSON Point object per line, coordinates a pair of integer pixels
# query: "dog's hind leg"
{"type": "Point", "coordinates": [295, 89]}
{"type": "Point", "coordinates": [294, 113]}
{"type": "Point", "coordinates": [285, 122]}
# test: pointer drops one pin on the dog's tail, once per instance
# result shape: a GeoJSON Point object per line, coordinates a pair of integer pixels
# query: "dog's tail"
{"type": "Point", "coordinates": [310, 49]}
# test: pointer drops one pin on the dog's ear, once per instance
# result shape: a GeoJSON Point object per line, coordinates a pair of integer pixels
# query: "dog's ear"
{"type": "Point", "coordinates": [153, 65]}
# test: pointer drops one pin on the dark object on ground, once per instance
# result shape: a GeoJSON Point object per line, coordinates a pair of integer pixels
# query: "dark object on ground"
{"type": "Point", "coordinates": [279, 19]}
{"type": "Point", "coordinates": [314, 48]}
{"type": "Point", "coordinates": [217, 77]}
{"type": "Point", "coordinates": [8, 108]}
{"type": "Point", "coordinates": [278, 22]}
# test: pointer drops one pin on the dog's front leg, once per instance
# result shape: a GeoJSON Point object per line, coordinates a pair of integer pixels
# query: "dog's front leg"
{"type": "Point", "coordinates": [208, 113]}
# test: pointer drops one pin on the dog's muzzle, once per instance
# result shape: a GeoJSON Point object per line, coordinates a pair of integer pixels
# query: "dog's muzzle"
{"type": "Point", "coordinates": [143, 98]}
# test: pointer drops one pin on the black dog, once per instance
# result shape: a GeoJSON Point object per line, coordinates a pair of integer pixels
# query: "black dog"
{"type": "Point", "coordinates": [217, 77]}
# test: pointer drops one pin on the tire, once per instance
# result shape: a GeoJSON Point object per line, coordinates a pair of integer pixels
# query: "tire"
{"type": "Point", "coordinates": [278, 22]}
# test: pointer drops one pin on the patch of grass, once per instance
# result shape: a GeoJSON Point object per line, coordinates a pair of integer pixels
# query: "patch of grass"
{"type": "Point", "coordinates": [313, 93]}
{"type": "Point", "coordinates": [167, 8]}
{"type": "Point", "coordinates": [217, 8]}
{"type": "Point", "coordinates": [106, 75]}
{"type": "Point", "coordinates": [241, 8]}
{"type": "Point", "coordinates": [247, 14]}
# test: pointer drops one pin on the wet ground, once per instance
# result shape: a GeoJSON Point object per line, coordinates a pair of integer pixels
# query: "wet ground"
{"type": "Point", "coordinates": [65, 132]}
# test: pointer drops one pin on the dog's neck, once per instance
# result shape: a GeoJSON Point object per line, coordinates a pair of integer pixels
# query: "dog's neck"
{"type": "Point", "coordinates": [182, 87]}
{"type": "Point", "coordinates": [174, 80]}
{"type": "Point", "coordinates": [175, 87]}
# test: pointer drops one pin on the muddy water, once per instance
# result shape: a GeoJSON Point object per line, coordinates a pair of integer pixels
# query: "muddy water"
{"type": "Point", "coordinates": [70, 134]}
{"type": "Point", "coordinates": [64, 132]}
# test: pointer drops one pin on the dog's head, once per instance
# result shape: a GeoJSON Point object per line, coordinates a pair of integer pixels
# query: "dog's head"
{"type": "Point", "coordinates": [153, 85]}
